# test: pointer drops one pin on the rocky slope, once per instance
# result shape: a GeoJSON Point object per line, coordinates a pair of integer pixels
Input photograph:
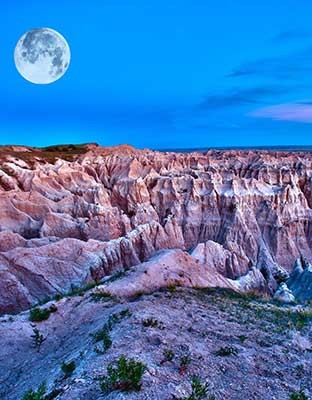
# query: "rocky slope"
{"type": "Point", "coordinates": [73, 214]}
{"type": "Point", "coordinates": [245, 348]}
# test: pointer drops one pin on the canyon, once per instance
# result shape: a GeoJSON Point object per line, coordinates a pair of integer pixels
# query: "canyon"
{"type": "Point", "coordinates": [194, 265]}
{"type": "Point", "coordinates": [73, 215]}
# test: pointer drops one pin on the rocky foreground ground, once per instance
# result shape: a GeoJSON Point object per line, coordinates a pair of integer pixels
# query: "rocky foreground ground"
{"type": "Point", "coordinates": [244, 347]}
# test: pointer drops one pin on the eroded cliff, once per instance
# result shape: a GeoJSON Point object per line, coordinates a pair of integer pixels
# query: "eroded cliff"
{"type": "Point", "coordinates": [74, 214]}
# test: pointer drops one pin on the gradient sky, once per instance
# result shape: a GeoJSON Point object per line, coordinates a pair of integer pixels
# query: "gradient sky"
{"type": "Point", "coordinates": [163, 74]}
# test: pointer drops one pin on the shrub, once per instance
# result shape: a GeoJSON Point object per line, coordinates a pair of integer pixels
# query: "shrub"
{"type": "Point", "coordinates": [152, 323]}
{"type": "Point", "coordinates": [125, 313]}
{"type": "Point", "coordinates": [102, 296]}
{"type": "Point", "coordinates": [106, 342]}
{"type": "Point", "coordinates": [227, 351]}
{"type": "Point", "coordinates": [68, 368]}
{"type": "Point", "coordinates": [37, 314]}
{"type": "Point", "coordinates": [199, 391]}
{"type": "Point", "coordinates": [168, 355]}
{"type": "Point", "coordinates": [300, 318]}
{"type": "Point", "coordinates": [37, 339]}
{"type": "Point", "coordinates": [300, 395]}
{"type": "Point", "coordinates": [242, 338]}
{"type": "Point", "coordinates": [125, 375]}
{"type": "Point", "coordinates": [184, 362]}
{"type": "Point", "coordinates": [101, 333]}
{"type": "Point", "coordinates": [38, 395]}
{"type": "Point", "coordinates": [52, 308]}
{"type": "Point", "coordinates": [82, 290]}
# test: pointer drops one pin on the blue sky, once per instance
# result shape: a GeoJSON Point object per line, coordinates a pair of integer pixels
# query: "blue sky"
{"type": "Point", "coordinates": [163, 74]}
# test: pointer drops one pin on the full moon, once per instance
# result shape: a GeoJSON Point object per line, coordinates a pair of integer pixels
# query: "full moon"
{"type": "Point", "coordinates": [42, 56]}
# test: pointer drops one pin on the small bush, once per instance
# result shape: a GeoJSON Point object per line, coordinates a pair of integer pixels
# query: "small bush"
{"type": "Point", "coordinates": [168, 355]}
{"type": "Point", "coordinates": [106, 343]}
{"type": "Point", "coordinates": [38, 395]}
{"type": "Point", "coordinates": [52, 308]}
{"type": "Point", "coordinates": [242, 338]}
{"type": "Point", "coordinates": [300, 318]}
{"type": "Point", "coordinates": [152, 323]}
{"type": "Point", "coordinates": [82, 290]}
{"type": "Point", "coordinates": [68, 368]}
{"type": "Point", "coordinates": [37, 314]}
{"type": "Point", "coordinates": [102, 296]}
{"type": "Point", "coordinates": [37, 339]}
{"type": "Point", "coordinates": [125, 375]}
{"type": "Point", "coordinates": [199, 391]}
{"type": "Point", "coordinates": [125, 313]}
{"type": "Point", "coordinates": [101, 333]}
{"type": "Point", "coordinates": [300, 395]}
{"type": "Point", "coordinates": [184, 363]}
{"type": "Point", "coordinates": [227, 351]}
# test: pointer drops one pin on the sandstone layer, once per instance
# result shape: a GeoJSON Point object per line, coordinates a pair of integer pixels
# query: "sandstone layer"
{"type": "Point", "coordinates": [73, 214]}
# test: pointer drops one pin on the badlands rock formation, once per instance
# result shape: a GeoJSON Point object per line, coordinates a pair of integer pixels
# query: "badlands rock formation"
{"type": "Point", "coordinates": [300, 280]}
{"type": "Point", "coordinates": [73, 214]}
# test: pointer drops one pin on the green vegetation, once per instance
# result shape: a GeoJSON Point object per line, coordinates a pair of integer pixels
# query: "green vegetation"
{"type": "Point", "coordinates": [74, 292]}
{"type": "Point", "coordinates": [116, 276]}
{"type": "Point", "coordinates": [49, 154]}
{"type": "Point", "coordinates": [199, 391]}
{"type": "Point", "coordinates": [66, 152]}
{"type": "Point", "coordinates": [68, 368]}
{"type": "Point", "coordinates": [125, 313]}
{"type": "Point", "coordinates": [250, 308]}
{"type": "Point", "coordinates": [168, 355]}
{"type": "Point", "coordinates": [227, 351]}
{"type": "Point", "coordinates": [103, 334]}
{"type": "Point", "coordinates": [37, 314]}
{"type": "Point", "coordinates": [300, 318]}
{"type": "Point", "coordinates": [103, 296]}
{"type": "Point", "coordinates": [184, 363]}
{"type": "Point", "coordinates": [300, 395]}
{"type": "Point", "coordinates": [125, 375]}
{"type": "Point", "coordinates": [242, 338]}
{"type": "Point", "coordinates": [152, 323]}
{"type": "Point", "coordinates": [38, 395]}
{"type": "Point", "coordinates": [81, 290]}
{"type": "Point", "coordinates": [37, 339]}
{"type": "Point", "coordinates": [100, 333]}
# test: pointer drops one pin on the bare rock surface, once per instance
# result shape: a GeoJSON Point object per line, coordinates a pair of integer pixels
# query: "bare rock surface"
{"type": "Point", "coordinates": [169, 268]}
{"type": "Point", "coordinates": [73, 214]}
{"type": "Point", "coordinates": [284, 294]}
{"type": "Point", "coordinates": [300, 280]}
{"type": "Point", "coordinates": [245, 348]}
